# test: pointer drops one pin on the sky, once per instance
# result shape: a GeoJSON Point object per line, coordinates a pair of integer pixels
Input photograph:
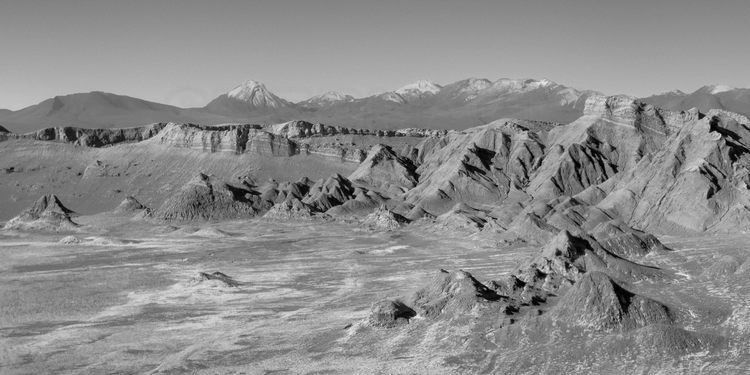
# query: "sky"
{"type": "Point", "coordinates": [187, 52]}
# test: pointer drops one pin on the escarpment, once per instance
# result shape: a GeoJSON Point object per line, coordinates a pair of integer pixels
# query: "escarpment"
{"type": "Point", "coordinates": [93, 137]}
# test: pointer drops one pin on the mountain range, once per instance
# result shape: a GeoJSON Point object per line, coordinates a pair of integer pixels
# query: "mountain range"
{"type": "Point", "coordinates": [570, 207]}
{"type": "Point", "coordinates": [705, 98]}
{"type": "Point", "coordinates": [424, 104]}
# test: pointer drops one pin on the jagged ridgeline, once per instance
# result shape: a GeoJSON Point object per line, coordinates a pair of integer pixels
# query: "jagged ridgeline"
{"type": "Point", "coordinates": [623, 160]}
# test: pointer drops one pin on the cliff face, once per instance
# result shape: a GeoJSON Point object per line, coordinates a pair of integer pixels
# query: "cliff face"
{"type": "Point", "coordinates": [284, 140]}
{"type": "Point", "coordinates": [304, 129]}
{"type": "Point", "coordinates": [287, 139]}
{"type": "Point", "coordinates": [92, 137]}
{"type": "Point", "coordinates": [254, 139]}
{"type": "Point", "coordinates": [230, 138]}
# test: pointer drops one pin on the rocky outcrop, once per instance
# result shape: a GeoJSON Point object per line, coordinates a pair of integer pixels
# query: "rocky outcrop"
{"type": "Point", "coordinates": [363, 203]}
{"type": "Point", "coordinates": [204, 198]}
{"type": "Point", "coordinates": [276, 192]}
{"type": "Point", "coordinates": [599, 303]}
{"type": "Point", "coordinates": [228, 138]}
{"type": "Point", "coordinates": [95, 137]}
{"type": "Point", "coordinates": [290, 209]}
{"type": "Point", "coordinates": [4, 134]}
{"type": "Point", "coordinates": [219, 277]}
{"type": "Point", "coordinates": [699, 180]}
{"type": "Point", "coordinates": [334, 151]}
{"type": "Point", "coordinates": [329, 192]}
{"type": "Point", "coordinates": [130, 205]}
{"type": "Point", "coordinates": [613, 135]}
{"type": "Point", "coordinates": [386, 171]}
{"type": "Point", "coordinates": [252, 139]}
{"type": "Point", "coordinates": [464, 217]}
{"type": "Point", "coordinates": [384, 219]}
{"type": "Point", "coordinates": [567, 257]}
{"type": "Point", "coordinates": [451, 295]}
{"type": "Point", "coordinates": [389, 314]}
{"type": "Point", "coordinates": [480, 165]}
{"type": "Point", "coordinates": [262, 143]}
{"type": "Point", "coordinates": [304, 129]}
{"type": "Point", "coordinates": [46, 214]}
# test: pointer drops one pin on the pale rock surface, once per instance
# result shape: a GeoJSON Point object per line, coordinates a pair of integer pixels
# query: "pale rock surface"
{"type": "Point", "coordinates": [46, 214]}
{"type": "Point", "coordinates": [204, 198]}
{"type": "Point", "coordinates": [384, 219]}
{"type": "Point", "coordinates": [290, 209]}
{"type": "Point", "coordinates": [384, 170]}
{"type": "Point", "coordinates": [599, 303]}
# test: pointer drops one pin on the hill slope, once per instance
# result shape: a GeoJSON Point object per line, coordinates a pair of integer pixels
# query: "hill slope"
{"type": "Point", "coordinates": [101, 110]}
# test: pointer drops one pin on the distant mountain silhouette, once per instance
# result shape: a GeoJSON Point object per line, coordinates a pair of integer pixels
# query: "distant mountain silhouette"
{"type": "Point", "coordinates": [100, 110]}
{"type": "Point", "coordinates": [422, 104]}
{"type": "Point", "coordinates": [705, 98]}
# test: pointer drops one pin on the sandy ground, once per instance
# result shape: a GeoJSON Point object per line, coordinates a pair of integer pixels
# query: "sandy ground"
{"type": "Point", "coordinates": [127, 299]}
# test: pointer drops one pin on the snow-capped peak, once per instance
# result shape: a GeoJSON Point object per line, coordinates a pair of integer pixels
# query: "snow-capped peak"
{"type": "Point", "coordinates": [419, 87]}
{"type": "Point", "coordinates": [675, 92]}
{"type": "Point", "coordinates": [473, 85]}
{"type": "Point", "coordinates": [256, 93]}
{"type": "Point", "coordinates": [326, 99]}
{"type": "Point", "coordinates": [247, 90]}
{"type": "Point", "coordinates": [521, 84]}
{"type": "Point", "coordinates": [332, 96]}
{"type": "Point", "coordinates": [392, 97]}
{"type": "Point", "coordinates": [717, 89]}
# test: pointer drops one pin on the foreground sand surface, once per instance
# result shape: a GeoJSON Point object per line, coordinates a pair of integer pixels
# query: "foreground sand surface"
{"type": "Point", "coordinates": [127, 299]}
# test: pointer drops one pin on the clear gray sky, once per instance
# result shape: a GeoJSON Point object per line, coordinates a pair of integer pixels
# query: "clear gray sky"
{"type": "Point", "coordinates": [186, 52]}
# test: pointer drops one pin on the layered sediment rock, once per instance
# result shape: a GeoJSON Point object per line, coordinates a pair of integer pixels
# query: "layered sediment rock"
{"type": "Point", "coordinates": [480, 165]}
{"type": "Point", "coordinates": [699, 180]}
{"type": "Point", "coordinates": [384, 170]}
{"type": "Point", "coordinates": [94, 137]}
{"type": "Point", "coordinates": [304, 129]}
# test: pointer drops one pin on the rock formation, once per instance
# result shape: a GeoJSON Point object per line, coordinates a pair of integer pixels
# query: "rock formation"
{"type": "Point", "coordinates": [599, 303]}
{"type": "Point", "coordinates": [330, 192]}
{"type": "Point", "coordinates": [203, 198]}
{"type": "Point", "coordinates": [386, 171]}
{"type": "Point", "coordinates": [290, 209]}
{"type": "Point", "coordinates": [452, 294]}
{"type": "Point", "coordinates": [94, 137]}
{"type": "Point", "coordinates": [384, 219]}
{"type": "Point", "coordinates": [480, 165]}
{"type": "Point", "coordinates": [46, 214]}
{"type": "Point", "coordinates": [131, 206]}
{"type": "Point", "coordinates": [218, 276]}
{"type": "Point", "coordinates": [388, 314]}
